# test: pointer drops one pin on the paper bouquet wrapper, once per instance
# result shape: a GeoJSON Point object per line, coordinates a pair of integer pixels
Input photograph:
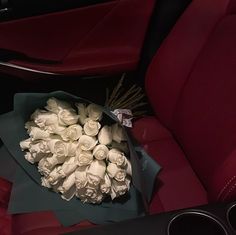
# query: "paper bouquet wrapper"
{"type": "Point", "coordinates": [29, 196]}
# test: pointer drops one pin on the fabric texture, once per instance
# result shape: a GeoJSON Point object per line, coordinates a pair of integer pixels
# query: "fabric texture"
{"type": "Point", "coordinates": [191, 86]}
{"type": "Point", "coordinates": [177, 185]}
{"type": "Point", "coordinates": [97, 40]}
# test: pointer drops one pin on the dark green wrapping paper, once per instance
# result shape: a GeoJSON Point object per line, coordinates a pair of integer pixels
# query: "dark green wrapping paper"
{"type": "Point", "coordinates": [28, 195]}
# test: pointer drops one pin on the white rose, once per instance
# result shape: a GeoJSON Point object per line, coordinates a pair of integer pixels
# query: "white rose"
{"type": "Point", "coordinates": [43, 118]}
{"type": "Point", "coordinates": [93, 195]}
{"type": "Point", "coordinates": [33, 157]}
{"type": "Point", "coordinates": [116, 172]}
{"type": "Point", "coordinates": [105, 135]}
{"type": "Point", "coordinates": [58, 147]}
{"type": "Point", "coordinates": [105, 185]}
{"type": "Point", "coordinates": [25, 144]}
{"type": "Point", "coordinates": [28, 125]}
{"type": "Point", "coordinates": [98, 199]}
{"type": "Point", "coordinates": [68, 166]}
{"type": "Point", "coordinates": [39, 147]}
{"type": "Point", "coordinates": [84, 158]}
{"type": "Point", "coordinates": [100, 152]}
{"type": "Point", "coordinates": [38, 134]}
{"type": "Point", "coordinates": [82, 111]}
{"type": "Point", "coordinates": [96, 172]}
{"type": "Point", "coordinates": [94, 112]}
{"type": "Point", "coordinates": [69, 194]}
{"type": "Point", "coordinates": [55, 128]}
{"type": "Point", "coordinates": [91, 127]}
{"type": "Point", "coordinates": [72, 133]}
{"type": "Point", "coordinates": [118, 133]}
{"type": "Point", "coordinates": [119, 188]}
{"type": "Point", "coordinates": [80, 177]}
{"type": "Point", "coordinates": [55, 160]}
{"type": "Point", "coordinates": [67, 117]}
{"type": "Point", "coordinates": [55, 175]}
{"type": "Point", "coordinates": [123, 146]}
{"type": "Point", "coordinates": [54, 105]}
{"type": "Point", "coordinates": [87, 142]}
{"type": "Point", "coordinates": [116, 156]}
{"type": "Point", "coordinates": [89, 195]}
{"type": "Point", "coordinates": [68, 182]}
{"type": "Point", "coordinates": [45, 183]}
{"type": "Point", "coordinates": [43, 146]}
{"type": "Point", "coordinates": [43, 167]}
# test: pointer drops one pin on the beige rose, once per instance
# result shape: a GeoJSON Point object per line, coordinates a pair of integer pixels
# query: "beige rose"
{"type": "Point", "coordinates": [82, 111]}
{"type": "Point", "coordinates": [100, 152]}
{"type": "Point", "coordinates": [43, 118]}
{"type": "Point", "coordinates": [96, 172]}
{"type": "Point", "coordinates": [116, 172]}
{"type": "Point", "coordinates": [118, 133]}
{"type": "Point", "coordinates": [116, 156]}
{"type": "Point", "coordinates": [80, 177]}
{"type": "Point", "coordinates": [55, 175]}
{"type": "Point", "coordinates": [45, 183]}
{"type": "Point", "coordinates": [91, 128]}
{"type": "Point", "coordinates": [68, 182]}
{"type": "Point", "coordinates": [67, 117]}
{"type": "Point", "coordinates": [58, 147]}
{"type": "Point", "coordinates": [87, 142]}
{"type": "Point", "coordinates": [38, 134]}
{"type": "Point", "coordinates": [68, 166]}
{"type": "Point", "coordinates": [105, 135]}
{"type": "Point", "coordinates": [84, 158]}
{"type": "Point", "coordinates": [29, 125]}
{"type": "Point", "coordinates": [119, 188]}
{"type": "Point", "coordinates": [33, 157]}
{"type": "Point", "coordinates": [105, 185]}
{"type": "Point", "coordinates": [55, 160]}
{"type": "Point", "coordinates": [72, 133]}
{"type": "Point", "coordinates": [43, 167]}
{"type": "Point", "coordinates": [94, 112]}
{"type": "Point", "coordinates": [25, 144]}
{"type": "Point", "coordinates": [54, 105]}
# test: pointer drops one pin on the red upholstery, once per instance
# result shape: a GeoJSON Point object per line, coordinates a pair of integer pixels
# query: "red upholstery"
{"type": "Point", "coordinates": [5, 219]}
{"type": "Point", "coordinates": [100, 39]}
{"type": "Point", "coordinates": [177, 186]}
{"type": "Point", "coordinates": [191, 85]}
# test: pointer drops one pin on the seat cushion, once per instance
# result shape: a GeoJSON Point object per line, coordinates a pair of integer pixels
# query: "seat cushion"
{"type": "Point", "coordinates": [5, 219]}
{"type": "Point", "coordinates": [177, 185]}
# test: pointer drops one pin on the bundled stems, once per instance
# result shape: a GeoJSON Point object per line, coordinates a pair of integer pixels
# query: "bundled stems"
{"type": "Point", "coordinates": [130, 99]}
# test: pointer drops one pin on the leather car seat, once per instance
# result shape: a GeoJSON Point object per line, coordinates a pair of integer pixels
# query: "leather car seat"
{"type": "Point", "coordinates": [191, 86]}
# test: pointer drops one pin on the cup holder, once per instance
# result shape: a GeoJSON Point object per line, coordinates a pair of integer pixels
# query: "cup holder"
{"type": "Point", "coordinates": [195, 223]}
{"type": "Point", "coordinates": [232, 216]}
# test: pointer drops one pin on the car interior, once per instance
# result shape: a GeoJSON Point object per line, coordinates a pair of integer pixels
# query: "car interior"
{"type": "Point", "coordinates": [182, 53]}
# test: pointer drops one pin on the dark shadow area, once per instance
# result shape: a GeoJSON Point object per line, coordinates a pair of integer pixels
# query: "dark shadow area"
{"type": "Point", "coordinates": [165, 15]}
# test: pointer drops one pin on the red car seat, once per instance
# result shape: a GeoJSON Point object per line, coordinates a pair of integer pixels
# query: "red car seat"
{"type": "Point", "coordinates": [191, 86]}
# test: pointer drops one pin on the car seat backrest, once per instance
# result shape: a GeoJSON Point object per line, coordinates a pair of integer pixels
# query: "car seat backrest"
{"type": "Point", "coordinates": [191, 84]}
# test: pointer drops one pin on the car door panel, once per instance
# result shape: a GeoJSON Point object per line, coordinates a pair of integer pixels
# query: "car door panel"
{"type": "Point", "coordinates": [100, 38]}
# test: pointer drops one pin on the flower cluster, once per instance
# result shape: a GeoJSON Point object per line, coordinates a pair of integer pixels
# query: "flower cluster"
{"type": "Point", "coordinates": [76, 155]}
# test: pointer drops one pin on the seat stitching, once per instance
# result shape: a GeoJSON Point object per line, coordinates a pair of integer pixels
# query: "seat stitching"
{"type": "Point", "coordinates": [229, 192]}
{"type": "Point", "coordinates": [225, 187]}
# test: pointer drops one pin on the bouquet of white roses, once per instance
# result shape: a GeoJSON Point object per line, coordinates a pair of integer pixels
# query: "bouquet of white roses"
{"type": "Point", "coordinates": [80, 149]}
{"type": "Point", "coordinates": [76, 154]}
